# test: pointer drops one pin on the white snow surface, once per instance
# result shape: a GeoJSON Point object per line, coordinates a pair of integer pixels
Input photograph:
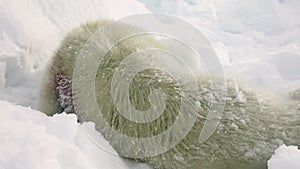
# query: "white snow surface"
{"type": "Point", "coordinates": [285, 157]}
{"type": "Point", "coordinates": [257, 42]}
{"type": "Point", "coordinates": [31, 140]}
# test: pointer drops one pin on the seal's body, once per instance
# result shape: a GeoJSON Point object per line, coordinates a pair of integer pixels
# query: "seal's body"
{"type": "Point", "coordinates": [247, 135]}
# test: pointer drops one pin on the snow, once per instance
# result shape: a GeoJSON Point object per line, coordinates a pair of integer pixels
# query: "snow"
{"type": "Point", "coordinates": [257, 42]}
{"type": "Point", "coordinates": [285, 157]}
{"type": "Point", "coordinates": [31, 140]}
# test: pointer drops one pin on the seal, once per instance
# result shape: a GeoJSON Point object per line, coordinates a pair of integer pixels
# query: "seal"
{"type": "Point", "coordinates": [247, 135]}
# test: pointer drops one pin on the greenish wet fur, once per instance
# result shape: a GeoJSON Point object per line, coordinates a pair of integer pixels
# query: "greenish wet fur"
{"type": "Point", "coordinates": [246, 136]}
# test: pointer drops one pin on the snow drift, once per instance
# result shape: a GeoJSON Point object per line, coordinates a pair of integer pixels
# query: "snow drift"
{"type": "Point", "coordinates": [31, 140]}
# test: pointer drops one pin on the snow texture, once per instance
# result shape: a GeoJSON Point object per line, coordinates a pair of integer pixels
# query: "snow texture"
{"type": "Point", "coordinates": [31, 140]}
{"type": "Point", "coordinates": [257, 41]}
{"type": "Point", "coordinates": [285, 157]}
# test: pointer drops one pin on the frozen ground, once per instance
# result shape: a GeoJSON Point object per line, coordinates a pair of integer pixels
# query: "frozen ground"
{"type": "Point", "coordinates": [257, 42]}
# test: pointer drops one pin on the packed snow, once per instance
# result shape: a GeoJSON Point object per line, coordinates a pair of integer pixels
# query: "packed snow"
{"type": "Point", "coordinates": [31, 140]}
{"type": "Point", "coordinates": [257, 42]}
{"type": "Point", "coordinates": [285, 157]}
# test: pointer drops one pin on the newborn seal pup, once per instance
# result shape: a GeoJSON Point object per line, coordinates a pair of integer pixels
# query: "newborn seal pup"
{"type": "Point", "coordinates": [247, 135]}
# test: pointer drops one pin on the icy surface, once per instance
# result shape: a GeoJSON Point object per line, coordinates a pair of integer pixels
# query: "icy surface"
{"type": "Point", "coordinates": [285, 157]}
{"type": "Point", "coordinates": [31, 140]}
{"type": "Point", "coordinates": [257, 41]}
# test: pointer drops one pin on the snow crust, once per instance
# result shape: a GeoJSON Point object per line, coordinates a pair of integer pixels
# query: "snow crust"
{"type": "Point", "coordinates": [31, 140]}
{"type": "Point", "coordinates": [257, 41]}
{"type": "Point", "coordinates": [285, 157]}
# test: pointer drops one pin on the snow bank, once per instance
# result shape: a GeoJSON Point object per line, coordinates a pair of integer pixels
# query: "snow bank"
{"type": "Point", "coordinates": [32, 29]}
{"type": "Point", "coordinates": [285, 157]}
{"type": "Point", "coordinates": [31, 140]}
{"type": "Point", "coordinates": [257, 41]}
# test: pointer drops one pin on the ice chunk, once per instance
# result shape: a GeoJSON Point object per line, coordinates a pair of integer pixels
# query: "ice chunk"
{"type": "Point", "coordinates": [285, 157]}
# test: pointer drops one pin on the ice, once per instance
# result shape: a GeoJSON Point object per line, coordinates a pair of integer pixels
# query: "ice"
{"type": "Point", "coordinates": [285, 157]}
{"type": "Point", "coordinates": [31, 140]}
{"type": "Point", "coordinates": [33, 29]}
{"type": "Point", "coordinates": [257, 41]}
